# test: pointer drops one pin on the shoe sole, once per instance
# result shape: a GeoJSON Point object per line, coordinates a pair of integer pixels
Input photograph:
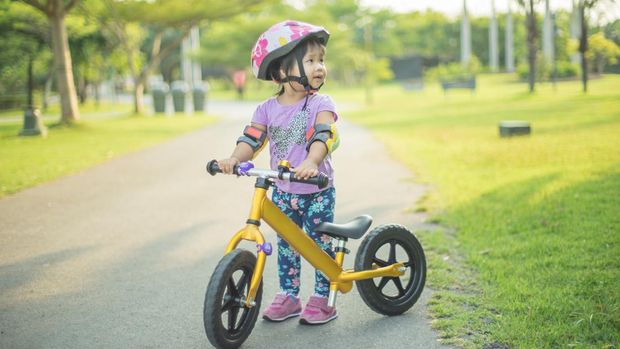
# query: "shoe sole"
{"type": "Point", "coordinates": [265, 317]}
{"type": "Point", "coordinates": [306, 322]}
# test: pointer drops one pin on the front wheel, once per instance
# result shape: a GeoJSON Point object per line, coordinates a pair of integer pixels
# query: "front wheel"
{"type": "Point", "coordinates": [228, 322]}
{"type": "Point", "coordinates": [383, 246]}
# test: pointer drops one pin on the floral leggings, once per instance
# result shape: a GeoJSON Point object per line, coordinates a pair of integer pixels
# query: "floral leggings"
{"type": "Point", "coordinates": [307, 211]}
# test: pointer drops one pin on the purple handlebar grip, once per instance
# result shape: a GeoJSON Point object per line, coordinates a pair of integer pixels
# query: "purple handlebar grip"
{"type": "Point", "coordinates": [244, 167]}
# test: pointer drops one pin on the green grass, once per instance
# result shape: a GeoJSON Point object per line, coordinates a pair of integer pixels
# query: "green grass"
{"type": "Point", "coordinates": [87, 109]}
{"type": "Point", "coordinates": [532, 257]}
{"type": "Point", "coordinates": [28, 161]}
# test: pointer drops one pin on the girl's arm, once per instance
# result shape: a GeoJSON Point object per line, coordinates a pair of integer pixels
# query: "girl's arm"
{"type": "Point", "coordinates": [243, 152]}
{"type": "Point", "coordinates": [317, 151]}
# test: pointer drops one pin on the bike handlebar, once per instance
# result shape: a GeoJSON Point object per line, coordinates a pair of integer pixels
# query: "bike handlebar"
{"type": "Point", "coordinates": [321, 180]}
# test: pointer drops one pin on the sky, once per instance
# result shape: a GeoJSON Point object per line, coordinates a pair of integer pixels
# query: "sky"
{"type": "Point", "coordinates": [609, 12]}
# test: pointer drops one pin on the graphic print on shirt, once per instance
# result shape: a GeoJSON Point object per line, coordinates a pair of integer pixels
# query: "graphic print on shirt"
{"type": "Point", "coordinates": [285, 137]}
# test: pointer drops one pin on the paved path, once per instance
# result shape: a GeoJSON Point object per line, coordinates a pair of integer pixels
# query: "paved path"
{"type": "Point", "coordinates": [119, 255]}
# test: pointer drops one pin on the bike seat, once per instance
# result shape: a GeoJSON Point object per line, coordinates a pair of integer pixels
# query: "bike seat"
{"type": "Point", "coordinates": [354, 229]}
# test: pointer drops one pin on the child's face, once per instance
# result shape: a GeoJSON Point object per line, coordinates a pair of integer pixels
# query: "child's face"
{"type": "Point", "coordinates": [314, 67]}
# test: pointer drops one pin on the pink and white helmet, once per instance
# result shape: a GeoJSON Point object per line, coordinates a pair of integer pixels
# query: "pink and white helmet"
{"type": "Point", "coordinates": [281, 39]}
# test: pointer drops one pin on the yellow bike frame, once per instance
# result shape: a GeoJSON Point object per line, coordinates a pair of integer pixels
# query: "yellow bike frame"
{"type": "Point", "coordinates": [340, 280]}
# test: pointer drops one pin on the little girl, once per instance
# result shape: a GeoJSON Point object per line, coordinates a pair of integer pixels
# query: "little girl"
{"type": "Point", "coordinates": [299, 123]}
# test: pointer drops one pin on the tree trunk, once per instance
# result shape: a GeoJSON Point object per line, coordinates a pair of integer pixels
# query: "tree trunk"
{"type": "Point", "coordinates": [30, 102]}
{"type": "Point", "coordinates": [600, 66]}
{"type": "Point", "coordinates": [157, 55]}
{"type": "Point", "coordinates": [138, 96]}
{"type": "Point", "coordinates": [97, 92]}
{"type": "Point", "coordinates": [531, 45]}
{"type": "Point", "coordinates": [82, 94]}
{"type": "Point", "coordinates": [62, 61]}
{"type": "Point", "coordinates": [583, 47]}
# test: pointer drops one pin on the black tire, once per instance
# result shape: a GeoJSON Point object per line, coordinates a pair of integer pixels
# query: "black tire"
{"type": "Point", "coordinates": [227, 322]}
{"type": "Point", "coordinates": [385, 245]}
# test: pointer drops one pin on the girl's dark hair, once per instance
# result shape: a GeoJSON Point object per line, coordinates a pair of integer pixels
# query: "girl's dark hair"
{"type": "Point", "coordinates": [286, 63]}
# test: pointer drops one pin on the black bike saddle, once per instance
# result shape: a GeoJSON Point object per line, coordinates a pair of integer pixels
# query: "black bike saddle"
{"type": "Point", "coordinates": [354, 229]}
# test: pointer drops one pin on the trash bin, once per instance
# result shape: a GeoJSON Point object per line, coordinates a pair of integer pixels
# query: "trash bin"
{"type": "Point", "coordinates": [159, 92]}
{"type": "Point", "coordinates": [179, 90]}
{"type": "Point", "coordinates": [199, 97]}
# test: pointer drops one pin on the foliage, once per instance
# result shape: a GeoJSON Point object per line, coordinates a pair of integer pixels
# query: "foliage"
{"type": "Point", "coordinates": [427, 34]}
{"type": "Point", "coordinates": [530, 259]}
{"type": "Point", "coordinates": [602, 51]}
{"type": "Point", "coordinates": [455, 71]}
{"type": "Point", "coordinates": [25, 35]}
{"type": "Point", "coordinates": [564, 69]}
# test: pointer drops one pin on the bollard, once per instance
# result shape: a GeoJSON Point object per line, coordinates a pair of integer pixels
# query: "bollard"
{"type": "Point", "coordinates": [33, 123]}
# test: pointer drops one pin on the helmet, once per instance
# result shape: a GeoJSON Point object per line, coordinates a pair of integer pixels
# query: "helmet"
{"type": "Point", "coordinates": [281, 39]}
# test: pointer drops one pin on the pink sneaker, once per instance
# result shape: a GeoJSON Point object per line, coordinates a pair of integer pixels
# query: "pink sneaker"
{"type": "Point", "coordinates": [284, 306]}
{"type": "Point", "coordinates": [317, 312]}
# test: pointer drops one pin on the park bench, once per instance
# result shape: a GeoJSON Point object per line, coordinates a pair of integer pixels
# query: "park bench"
{"type": "Point", "coordinates": [469, 83]}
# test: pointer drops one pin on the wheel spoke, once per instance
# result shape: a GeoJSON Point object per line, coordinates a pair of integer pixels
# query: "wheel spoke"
{"type": "Point", "coordinates": [232, 318]}
{"type": "Point", "coordinates": [242, 283]}
{"type": "Point", "coordinates": [399, 286]}
{"type": "Point", "coordinates": [232, 289]}
{"type": "Point", "coordinates": [228, 305]}
{"type": "Point", "coordinates": [380, 262]}
{"type": "Point", "coordinates": [392, 258]}
{"type": "Point", "coordinates": [383, 282]}
{"type": "Point", "coordinates": [244, 314]}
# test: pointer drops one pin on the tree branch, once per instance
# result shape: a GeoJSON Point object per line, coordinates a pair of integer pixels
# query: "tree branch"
{"type": "Point", "coordinates": [163, 53]}
{"type": "Point", "coordinates": [37, 5]}
{"type": "Point", "coordinates": [70, 5]}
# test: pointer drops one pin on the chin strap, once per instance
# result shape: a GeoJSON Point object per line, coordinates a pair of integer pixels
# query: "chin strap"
{"type": "Point", "coordinates": [303, 79]}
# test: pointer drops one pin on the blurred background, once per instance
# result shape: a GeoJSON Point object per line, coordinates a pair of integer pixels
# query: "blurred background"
{"type": "Point", "coordinates": [120, 51]}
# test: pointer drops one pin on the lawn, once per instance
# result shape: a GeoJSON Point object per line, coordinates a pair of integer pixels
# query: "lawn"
{"type": "Point", "coordinates": [530, 256]}
{"type": "Point", "coordinates": [28, 161]}
{"type": "Point", "coordinates": [89, 109]}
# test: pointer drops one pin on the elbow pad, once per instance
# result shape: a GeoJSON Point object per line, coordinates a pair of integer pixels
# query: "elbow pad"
{"type": "Point", "coordinates": [255, 138]}
{"type": "Point", "coordinates": [325, 133]}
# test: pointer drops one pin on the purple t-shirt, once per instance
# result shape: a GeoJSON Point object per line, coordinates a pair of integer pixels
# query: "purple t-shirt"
{"type": "Point", "coordinates": [287, 126]}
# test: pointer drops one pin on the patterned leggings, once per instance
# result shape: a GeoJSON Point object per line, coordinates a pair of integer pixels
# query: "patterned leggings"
{"type": "Point", "coordinates": [307, 211]}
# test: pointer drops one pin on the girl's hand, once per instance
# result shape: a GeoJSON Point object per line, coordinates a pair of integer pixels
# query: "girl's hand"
{"type": "Point", "coordinates": [227, 165]}
{"type": "Point", "coordinates": [306, 169]}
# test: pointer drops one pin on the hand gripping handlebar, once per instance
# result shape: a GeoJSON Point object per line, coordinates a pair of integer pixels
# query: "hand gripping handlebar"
{"type": "Point", "coordinates": [321, 180]}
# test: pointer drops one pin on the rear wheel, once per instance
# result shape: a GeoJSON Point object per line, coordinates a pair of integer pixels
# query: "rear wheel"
{"type": "Point", "coordinates": [383, 246]}
{"type": "Point", "coordinates": [228, 322]}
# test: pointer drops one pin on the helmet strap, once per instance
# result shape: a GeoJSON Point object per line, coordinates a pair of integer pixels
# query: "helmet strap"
{"type": "Point", "coordinates": [302, 79]}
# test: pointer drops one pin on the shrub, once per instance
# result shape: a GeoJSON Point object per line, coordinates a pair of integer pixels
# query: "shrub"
{"type": "Point", "coordinates": [455, 71]}
{"type": "Point", "coordinates": [544, 71]}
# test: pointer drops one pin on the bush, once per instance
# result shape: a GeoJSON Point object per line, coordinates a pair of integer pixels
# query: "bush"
{"type": "Point", "coordinates": [544, 71]}
{"type": "Point", "coordinates": [455, 71]}
{"type": "Point", "coordinates": [566, 69]}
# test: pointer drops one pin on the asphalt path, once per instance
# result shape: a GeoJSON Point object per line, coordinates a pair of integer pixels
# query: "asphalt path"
{"type": "Point", "coordinates": [119, 255]}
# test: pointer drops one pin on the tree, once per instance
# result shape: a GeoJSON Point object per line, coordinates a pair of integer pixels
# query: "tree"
{"type": "Point", "coordinates": [585, 6]}
{"type": "Point", "coordinates": [161, 17]}
{"type": "Point", "coordinates": [532, 39]}
{"type": "Point", "coordinates": [56, 11]}
{"type": "Point", "coordinates": [23, 46]}
{"type": "Point", "coordinates": [602, 51]}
